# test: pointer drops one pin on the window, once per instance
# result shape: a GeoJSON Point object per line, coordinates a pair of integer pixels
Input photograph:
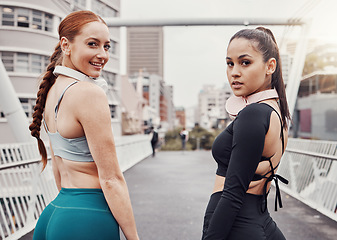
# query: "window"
{"type": "Point", "coordinates": [37, 20]}
{"type": "Point", "coordinates": [37, 63]}
{"type": "Point", "coordinates": [25, 105]}
{"type": "Point", "coordinates": [48, 23]}
{"type": "Point", "coordinates": [32, 104]}
{"type": "Point", "coordinates": [113, 111]}
{"type": "Point", "coordinates": [112, 49]}
{"type": "Point", "coordinates": [22, 62]}
{"type": "Point", "coordinates": [8, 16]}
{"type": "Point", "coordinates": [8, 60]}
{"type": "Point", "coordinates": [23, 17]}
{"type": "Point", "coordinates": [46, 62]}
{"type": "Point", "coordinates": [28, 106]}
{"type": "Point", "coordinates": [305, 120]}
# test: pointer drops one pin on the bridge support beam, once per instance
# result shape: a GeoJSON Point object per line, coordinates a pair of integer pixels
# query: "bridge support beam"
{"type": "Point", "coordinates": [12, 108]}
{"type": "Point", "coordinates": [297, 67]}
{"type": "Point", "coordinates": [120, 22]}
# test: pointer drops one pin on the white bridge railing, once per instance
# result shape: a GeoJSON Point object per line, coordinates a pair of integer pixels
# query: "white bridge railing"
{"type": "Point", "coordinates": [311, 168]}
{"type": "Point", "coordinates": [25, 191]}
{"type": "Point", "coordinates": [309, 165]}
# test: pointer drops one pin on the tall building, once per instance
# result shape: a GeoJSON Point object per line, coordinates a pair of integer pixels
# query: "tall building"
{"type": "Point", "coordinates": [159, 98]}
{"type": "Point", "coordinates": [212, 106]}
{"type": "Point", "coordinates": [145, 50]}
{"type": "Point", "coordinates": [28, 36]}
{"type": "Point", "coordinates": [170, 107]}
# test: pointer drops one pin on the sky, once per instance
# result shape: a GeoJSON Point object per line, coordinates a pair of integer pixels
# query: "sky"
{"type": "Point", "coordinates": [195, 56]}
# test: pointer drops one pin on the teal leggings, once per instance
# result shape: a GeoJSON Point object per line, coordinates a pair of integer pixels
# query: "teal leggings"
{"type": "Point", "coordinates": [77, 214]}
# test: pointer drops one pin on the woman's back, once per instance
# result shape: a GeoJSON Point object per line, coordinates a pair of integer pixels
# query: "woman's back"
{"type": "Point", "coordinates": [66, 125]}
{"type": "Point", "coordinates": [93, 199]}
{"type": "Point", "coordinates": [274, 146]}
{"type": "Point", "coordinates": [248, 152]}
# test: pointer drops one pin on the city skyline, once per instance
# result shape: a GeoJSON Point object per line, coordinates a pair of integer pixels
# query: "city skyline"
{"type": "Point", "coordinates": [195, 56]}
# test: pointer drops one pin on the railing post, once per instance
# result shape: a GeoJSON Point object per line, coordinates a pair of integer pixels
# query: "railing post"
{"type": "Point", "coordinates": [21, 178]}
{"type": "Point", "coordinates": [312, 166]}
{"type": "Point", "coordinates": [32, 200]}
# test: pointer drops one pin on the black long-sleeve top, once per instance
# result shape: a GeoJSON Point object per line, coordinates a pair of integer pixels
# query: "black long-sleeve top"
{"type": "Point", "coordinates": [238, 151]}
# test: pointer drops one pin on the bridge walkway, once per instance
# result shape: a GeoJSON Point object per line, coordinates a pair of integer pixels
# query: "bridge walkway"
{"type": "Point", "coordinates": [169, 194]}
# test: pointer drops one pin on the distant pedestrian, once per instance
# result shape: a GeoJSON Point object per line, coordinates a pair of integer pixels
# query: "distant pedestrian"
{"type": "Point", "coordinates": [184, 138]}
{"type": "Point", "coordinates": [93, 200]}
{"type": "Point", "coordinates": [249, 150]}
{"type": "Point", "coordinates": [154, 140]}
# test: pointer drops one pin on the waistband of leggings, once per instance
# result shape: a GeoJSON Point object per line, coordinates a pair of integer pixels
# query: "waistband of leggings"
{"type": "Point", "coordinates": [81, 190]}
{"type": "Point", "coordinates": [81, 198]}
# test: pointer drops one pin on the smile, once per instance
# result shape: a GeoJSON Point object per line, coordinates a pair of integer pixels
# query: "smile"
{"type": "Point", "coordinates": [96, 64]}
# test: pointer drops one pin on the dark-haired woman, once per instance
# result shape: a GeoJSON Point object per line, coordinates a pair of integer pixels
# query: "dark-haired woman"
{"type": "Point", "coordinates": [93, 201]}
{"type": "Point", "coordinates": [249, 150]}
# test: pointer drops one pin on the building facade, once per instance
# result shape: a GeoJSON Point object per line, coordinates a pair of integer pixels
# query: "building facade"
{"type": "Point", "coordinates": [170, 107]}
{"type": "Point", "coordinates": [145, 54]}
{"type": "Point", "coordinates": [131, 108]}
{"type": "Point", "coordinates": [158, 97]}
{"type": "Point", "coordinates": [191, 114]}
{"type": "Point", "coordinates": [212, 106]}
{"type": "Point", "coordinates": [316, 112]}
{"type": "Point", "coordinates": [287, 61]}
{"type": "Point", "coordinates": [145, 50]}
{"type": "Point", "coordinates": [181, 117]}
{"type": "Point", "coordinates": [28, 35]}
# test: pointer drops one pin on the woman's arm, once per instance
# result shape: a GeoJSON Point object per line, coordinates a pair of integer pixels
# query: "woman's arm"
{"type": "Point", "coordinates": [94, 115]}
{"type": "Point", "coordinates": [249, 132]}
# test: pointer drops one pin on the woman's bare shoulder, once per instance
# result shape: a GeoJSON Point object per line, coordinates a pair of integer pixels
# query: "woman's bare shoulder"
{"type": "Point", "coordinates": [86, 95]}
{"type": "Point", "coordinates": [86, 89]}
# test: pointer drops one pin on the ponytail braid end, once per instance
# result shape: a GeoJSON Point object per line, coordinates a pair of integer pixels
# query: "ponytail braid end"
{"type": "Point", "coordinates": [43, 152]}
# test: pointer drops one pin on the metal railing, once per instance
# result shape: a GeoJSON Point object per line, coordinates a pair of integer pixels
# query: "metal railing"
{"type": "Point", "coordinates": [311, 168]}
{"type": "Point", "coordinates": [309, 165]}
{"type": "Point", "coordinates": [25, 191]}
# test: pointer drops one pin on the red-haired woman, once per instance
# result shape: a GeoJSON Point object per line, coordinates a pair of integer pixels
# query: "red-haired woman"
{"type": "Point", "coordinates": [248, 152]}
{"type": "Point", "coordinates": [93, 200]}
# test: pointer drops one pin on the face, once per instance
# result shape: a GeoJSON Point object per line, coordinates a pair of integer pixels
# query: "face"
{"type": "Point", "coordinates": [88, 52]}
{"type": "Point", "coordinates": [247, 73]}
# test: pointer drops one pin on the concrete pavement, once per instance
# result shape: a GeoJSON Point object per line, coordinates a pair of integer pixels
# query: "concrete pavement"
{"type": "Point", "coordinates": [169, 194]}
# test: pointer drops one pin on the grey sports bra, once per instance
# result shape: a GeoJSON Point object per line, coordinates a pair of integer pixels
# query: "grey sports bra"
{"type": "Point", "coordinates": [75, 149]}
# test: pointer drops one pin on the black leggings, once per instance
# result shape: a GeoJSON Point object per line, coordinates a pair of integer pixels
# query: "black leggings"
{"type": "Point", "coordinates": [251, 223]}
